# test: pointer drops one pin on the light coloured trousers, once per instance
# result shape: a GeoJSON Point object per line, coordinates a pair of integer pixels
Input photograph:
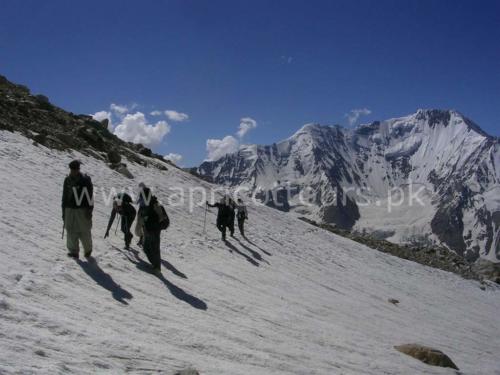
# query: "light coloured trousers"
{"type": "Point", "coordinates": [78, 222]}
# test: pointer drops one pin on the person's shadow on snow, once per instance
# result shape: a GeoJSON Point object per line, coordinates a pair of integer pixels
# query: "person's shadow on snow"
{"type": "Point", "coordinates": [174, 289]}
{"type": "Point", "coordinates": [233, 249]}
{"type": "Point", "coordinates": [257, 246]}
{"type": "Point", "coordinates": [92, 269]}
{"type": "Point", "coordinates": [172, 269]}
{"type": "Point", "coordinates": [254, 253]}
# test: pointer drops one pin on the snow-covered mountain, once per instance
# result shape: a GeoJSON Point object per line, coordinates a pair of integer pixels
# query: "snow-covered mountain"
{"type": "Point", "coordinates": [430, 177]}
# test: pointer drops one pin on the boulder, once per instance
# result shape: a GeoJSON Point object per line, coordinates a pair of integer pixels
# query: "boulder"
{"type": "Point", "coordinates": [114, 157]}
{"type": "Point", "coordinates": [393, 301]}
{"type": "Point", "coordinates": [122, 169]}
{"type": "Point", "coordinates": [40, 138]}
{"type": "Point", "coordinates": [427, 355]}
{"type": "Point", "coordinates": [105, 123]}
{"type": "Point", "coordinates": [92, 137]}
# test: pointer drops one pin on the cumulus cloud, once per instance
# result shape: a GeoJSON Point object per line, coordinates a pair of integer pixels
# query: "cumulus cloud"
{"type": "Point", "coordinates": [156, 113]}
{"type": "Point", "coordinates": [246, 124]}
{"type": "Point", "coordinates": [354, 115]}
{"type": "Point", "coordinates": [135, 128]}
{"type": "Point", "coordinates": [173, 157]}
{"type": "Point", "coordinates": [176, 116]}
{"type": "Point", "coordinates": [217, 148]}
{"type": "Point", "coordinates": [119, 109]}
{"type": "Point", "coordinates": [103, 115]}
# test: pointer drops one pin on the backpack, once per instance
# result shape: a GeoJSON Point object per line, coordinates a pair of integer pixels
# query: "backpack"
{"type": "Point", "coordinates": [163, 218]}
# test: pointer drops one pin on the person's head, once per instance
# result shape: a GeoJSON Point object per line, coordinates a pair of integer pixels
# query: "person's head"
{"type": "Point", "coordinates": [142, 186]}
{"type": "Point", "coordinates": [74, 168]}
{"type": "Point", "coordinates": [222, 200]}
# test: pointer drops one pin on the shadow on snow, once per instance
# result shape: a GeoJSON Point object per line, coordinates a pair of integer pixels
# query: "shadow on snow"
{"type": "Point", "coordinates": [133, 256]}
{"type": "Point", "coordinates": [92, 269]}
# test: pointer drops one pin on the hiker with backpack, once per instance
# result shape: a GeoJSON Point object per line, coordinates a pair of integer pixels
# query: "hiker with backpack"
{"type": "Point", "coordinates": [232, 212]}
{"type": "Point", "coordinates": [242, 215]}
{"type": "Point", "coordinates": [155, 220]}
{"type": "Point", "coordinates": [122, 204]}
{"type": "Point", "coordinates": [141, 201]}
{"type": "Point", "coordinates": [223, 216]}
{"type": "Point", "coordinates": [77, 207]}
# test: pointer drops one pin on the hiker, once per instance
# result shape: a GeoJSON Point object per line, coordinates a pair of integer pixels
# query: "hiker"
{"type": "Point", "coordinates": [242, 215]}
{"type": "Point", "coordinates": [232, 212]}
{"type": "Point", "coordinates": [223, 216]}
{"type": "Point", "coordinates": [77, 207]}
{"type": "Point", "coordinates": [155, 219]}
{"type": "Point", "coordinates": [141, 201]}
{"type": "Point", "coordinates": [122, 204]}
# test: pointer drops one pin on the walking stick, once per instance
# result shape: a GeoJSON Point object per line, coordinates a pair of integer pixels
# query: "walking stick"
{"type": "Point", "coordinates": [62, 234]}
{"type": "Point", "coordinates": [205, 220]}
{"type": "Point", "coordinates": [118, 222]}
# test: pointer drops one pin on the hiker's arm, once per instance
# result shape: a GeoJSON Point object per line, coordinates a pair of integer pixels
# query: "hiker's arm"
{"type": "Point", "coordinates": [110, 222]}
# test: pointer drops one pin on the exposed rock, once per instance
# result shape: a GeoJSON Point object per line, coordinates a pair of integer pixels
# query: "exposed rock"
{"type": "Point", "coordinates": [487, 270]}
{"type": "Point", "coordinates": [32, 115]}
{"type": "Point", "coordinates": [42, 98]}
{"type": "Point", "coordinates": [437, 257]}
{"type": "Point", "coordinates": [122, 168]}
{"type": "Point", "coordinates": [187, 372]}
{"type": "Point", "coordinates": [40, 138]}
{"type": "Point", "coordinates": [105, 123]}
{"type": "Point", "coordinates": [393, 301]}
{"type": "Point", "coordinates": [114, 157]}
{"type": "Point", "coordinates": [145, 151]}
{"type": "Point", "coordinates": [427, 355]}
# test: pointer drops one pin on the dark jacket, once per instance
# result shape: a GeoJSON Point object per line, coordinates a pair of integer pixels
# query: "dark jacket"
{"type": "Point", "coordinates": [78, 192]}
{"type": "Point", "coordinates": [127, 213]}
{"type": "Point", "coordinates": [151, 217]}
{"type": "Point", "coordinates": [224, 213]}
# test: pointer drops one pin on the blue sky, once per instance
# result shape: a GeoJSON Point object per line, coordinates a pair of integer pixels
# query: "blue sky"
{"type": "Point", "coordinates": [279, 63]}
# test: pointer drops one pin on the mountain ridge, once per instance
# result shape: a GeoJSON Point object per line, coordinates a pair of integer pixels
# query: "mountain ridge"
{"type": "Point", "coordinates": [440, 150]}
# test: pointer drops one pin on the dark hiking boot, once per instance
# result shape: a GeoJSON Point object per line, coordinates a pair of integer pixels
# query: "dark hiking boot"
{"type": "Point", "coordinates": [73, 255]}
{"type": "Point", "coordinates": [88, 254]}
{"type": "Point", "coordinates": [157, 271]}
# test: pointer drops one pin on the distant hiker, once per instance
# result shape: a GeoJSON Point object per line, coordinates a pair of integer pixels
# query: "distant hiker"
{"type": "Point", "coordinates": [141, 201]}
{"type": "Point", "coordinates": [232, 212]}
{"type": "Point", "coordinates": [122, 204]}
{"type": "Point", "coordinates": [242, 215]}
{"type": "Point", "coordinates": [77, 207]}
{"type": "Point", "coordinates": [223, 216]}
{"type": "Point", "coordinates": [155, 220]}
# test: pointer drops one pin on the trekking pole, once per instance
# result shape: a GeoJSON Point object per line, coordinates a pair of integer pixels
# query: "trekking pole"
{"type": "Point", "coordinates": [62, 234]}
{"type": "Point", "coordinates": [118, 222]}
{"type": "Point", "coordinates": [205, 220]}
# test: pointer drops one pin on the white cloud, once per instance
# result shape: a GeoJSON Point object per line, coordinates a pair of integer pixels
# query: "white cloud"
{"type": "Point", "coordinates": [156, 113]}
{"type": "Point", "coordinates": [217, 148]}
{"type": "Point", "coordinates": [102, 115]}
{"type": "Point", "coordinates": [173, 157]}
{"type": "Point", "coordinates": [246, 124]}
{"type": "Point", "coordinates": [354, 115]}
{"type": "Point", "coordinates": [135, 128]}
{"type": "Point", "coordinates": [119, 109]}
{"type": "Point", "coordinates": [176, 116]}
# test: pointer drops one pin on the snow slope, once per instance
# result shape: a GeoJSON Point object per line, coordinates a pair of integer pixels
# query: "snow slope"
{"type": "Point", "coordinates": [292, 300]}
